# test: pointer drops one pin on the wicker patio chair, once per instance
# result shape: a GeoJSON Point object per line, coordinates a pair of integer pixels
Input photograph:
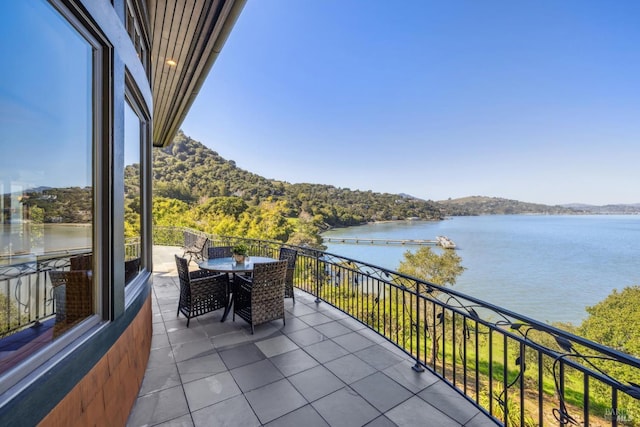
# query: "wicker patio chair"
{"type": "Point", "coordinates": [260, 299]}
{"type": "Point", "coordinates": [290, 255]}
{"type": "Point", "coordinates": [200, 291]}
{"type": "Point", "coordinates": [131, 269]}
{"type": "Point", "coordinates": [81, 262]}
{"type": "Point", "coordinates": [219, 252]}
{"type": "Point", "coordinates": [73, 296]}
{"type": "Point", "coordinates": [196, 249]}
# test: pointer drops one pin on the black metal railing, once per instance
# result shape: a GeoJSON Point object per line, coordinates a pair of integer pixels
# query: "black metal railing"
{"type": "Point", "coordinates": [514, 368]}
{"type": "Point", "coordinates": [26, 292]}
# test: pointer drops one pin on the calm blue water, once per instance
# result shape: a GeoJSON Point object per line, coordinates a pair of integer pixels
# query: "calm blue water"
{"type": "Point", "coordinates": [546, 267]}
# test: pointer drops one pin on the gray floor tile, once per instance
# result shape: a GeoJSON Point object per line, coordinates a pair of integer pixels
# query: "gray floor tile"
{"type": "Point", "coordinates": [159, 357]}
{"type": "Point", "coordinates": [301, 310]}
{"type": "Point", "coordinates": [345, 408]}
{"type": "Point", "coordinates": [193, 349]}
{"type": "Point", "coordinates": [201, 367]}
{"type": "Point", "coordinates": [159, 340]}
{"type": "Point", "coordinates": [352, 324]}
{"type": "Point", "coordinates": [210, 390]}
{"type": "Point", "coordinates": [314, 319]}
{"type": "Point", "coordinates": [256, 375]}
{"type": "Point", "coordinates": [316, 382]}
{"type": "Point", "coordinates": [353, 341]}
{"type": "Point", "coordinates": [349, 368]}
{"type": "Point", "coordinates": [230, 339]}
{"type": "Point", "coordinates": [307, 336]}
{"type": "Point", "coordinates": [416, 412]}
{"type": "Point", "coordinates": [158, 407]}
{"type": "Point", "coordinates": [241, 355]}
{"type": "Point", "coordinates": [193, 333]}
{"type": "Point", "coordinates": [276, 345]}
{"type": "Point", "coordinates": [231, 412]}
{"type": "Point", "coordinates": [449, 401]}
{"type": "Point", "coordinates": [214, 327]}
{"type": "Point", "coordinates": [325, 351]}
{"type": "Point", "coordinates": [173, 323]}
{"type": "Point", "coordinates": [410, 379]}
{"type": "Point", "coordinates": [293, 362]}
{"type": "Point", "coordinates": [160, 378]}
{"type": "Point", "coordinates": [332, 329]}
{"type": "Point", "coordinates": [293, 324]}
{"type": "Point", "coordinates": [379, 357]}
{"type": "Point", "coordinates": [183, 421]}
{"type": "Point", "coordinates": [275, 400]}
{"type": "Point", "coordinates": [305, 416]}
{"type": "Point", "coordinates": [381, 391]}
{"type": "Point", "coordinates": [381, 421]}
{"type": "Point", "coordinates": [158, 324]}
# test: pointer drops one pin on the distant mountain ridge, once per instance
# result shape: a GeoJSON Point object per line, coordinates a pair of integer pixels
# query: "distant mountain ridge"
{"type": "Point", "coordinates": [188, 170]}
{"type": "Point", "coordinates": [614, 209]}
{"type": "Point", "coordinates": [483, 205]}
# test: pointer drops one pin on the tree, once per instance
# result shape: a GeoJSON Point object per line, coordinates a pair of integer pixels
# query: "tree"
{"type": "Point", "coordinates": [614, 322]}
{"type": "Point", "coordinates": [427, 265]}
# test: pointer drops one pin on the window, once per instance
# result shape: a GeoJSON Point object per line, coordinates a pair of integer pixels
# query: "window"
{"type": "Point", "coordinates": [47, 122]}
{"type": "Point", "coordinates": [132, 191]}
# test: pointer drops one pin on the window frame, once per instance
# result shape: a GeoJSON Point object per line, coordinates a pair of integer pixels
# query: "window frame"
{"type": "Point", "coordinates": [21, 376]}
{"type": "Point", "coordinates": [135, 100]}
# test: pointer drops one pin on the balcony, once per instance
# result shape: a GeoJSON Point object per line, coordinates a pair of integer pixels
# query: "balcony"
{"type": "Point", "coordinates": [362, 344]}
{"type": "Point", "coordinates": [322, 368]}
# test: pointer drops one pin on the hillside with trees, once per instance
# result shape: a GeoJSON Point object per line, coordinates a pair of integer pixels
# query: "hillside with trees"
{"type": "Point", "coordinates": [190, 172]}
{"type": "Point", "coordinates": [480, 205]}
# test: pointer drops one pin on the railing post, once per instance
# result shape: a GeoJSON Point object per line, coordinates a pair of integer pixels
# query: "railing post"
{"type": "Point", "coordinates": [417, 367]}
{"type": "Point", "coordinates": [316, 255]}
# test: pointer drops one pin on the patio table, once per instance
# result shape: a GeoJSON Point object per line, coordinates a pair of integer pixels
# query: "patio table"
{"type": "Point", "coordinates": [228, 265]}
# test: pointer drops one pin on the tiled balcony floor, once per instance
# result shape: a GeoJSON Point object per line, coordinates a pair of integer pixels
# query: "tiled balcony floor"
{"type": "Point", "coordinates": [321, 369]}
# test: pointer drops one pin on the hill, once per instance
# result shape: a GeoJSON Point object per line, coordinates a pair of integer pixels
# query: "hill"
{"type": "Point", "coordinates": [189, 171]}
{"type": "Point", "coordinates": [616, 209]}
{"type": "Point", "coordinates": [481, 205]}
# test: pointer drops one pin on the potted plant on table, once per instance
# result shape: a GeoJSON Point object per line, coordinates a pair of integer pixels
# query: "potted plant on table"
{"type": "Point", "coordinates": [240, 252]}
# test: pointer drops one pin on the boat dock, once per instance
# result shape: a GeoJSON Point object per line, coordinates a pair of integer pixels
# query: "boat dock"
{"type": "Point", "coordinates": [442, 241]}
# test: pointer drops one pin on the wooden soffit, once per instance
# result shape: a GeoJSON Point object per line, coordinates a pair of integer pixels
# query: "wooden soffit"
{"type": "Point", "coordinates": [187, 36]}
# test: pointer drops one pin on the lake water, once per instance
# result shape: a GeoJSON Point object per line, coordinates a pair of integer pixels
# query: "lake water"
{"type": "Point", "coordinates": [546, 267]}
{"type": "Point", "coordinates": [23, 242]}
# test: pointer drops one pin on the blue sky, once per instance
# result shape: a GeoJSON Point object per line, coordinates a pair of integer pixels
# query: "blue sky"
{"type": "Point", "coordinates": [531, 100]}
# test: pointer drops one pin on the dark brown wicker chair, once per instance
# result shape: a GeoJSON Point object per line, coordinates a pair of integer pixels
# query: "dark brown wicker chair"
{"type": "Point", "coordinates": [81, 262]}
{"type": "Point", "coordinates": [131, 270]}
{"type": "Point", "coordinates": [73, 296]}
{"type": "Point", "coordinates": [219, 252]}
{"type": "Point", "coordinates": [260, 299]}
{"type": "Point", "coordinates": [290, 255]}
{"type": "Point", "coordinates": [200, 291]}
{"type": "Point", "coordinates": [196, 249]}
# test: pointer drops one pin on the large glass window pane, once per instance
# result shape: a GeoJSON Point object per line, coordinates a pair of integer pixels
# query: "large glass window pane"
{"type": "Point", "coordinates": [46, 172]}
{"type": "Point", "coordinates": [132, 179]}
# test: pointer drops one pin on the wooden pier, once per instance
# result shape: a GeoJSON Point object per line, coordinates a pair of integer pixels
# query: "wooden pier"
{"type": "Point", "coordinates": [406, 242]}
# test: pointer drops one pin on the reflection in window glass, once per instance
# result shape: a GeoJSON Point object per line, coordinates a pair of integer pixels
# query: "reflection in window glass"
{"type": "Point", "coordinates": [132, 210]}
{"type": "Point", "coordinates": [46, 185]}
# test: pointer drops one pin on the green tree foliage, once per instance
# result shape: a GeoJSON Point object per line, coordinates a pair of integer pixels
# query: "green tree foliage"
{"type": "Point", "coordinates": [425, 264]}
{"type": "Point", "coordinates": [189, 171]}
{"type": "Point", "coordinates": [614, 322]}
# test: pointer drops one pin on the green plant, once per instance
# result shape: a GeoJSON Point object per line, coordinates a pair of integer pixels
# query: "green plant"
{"type": "Point", "coordinates": [240, 249]}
